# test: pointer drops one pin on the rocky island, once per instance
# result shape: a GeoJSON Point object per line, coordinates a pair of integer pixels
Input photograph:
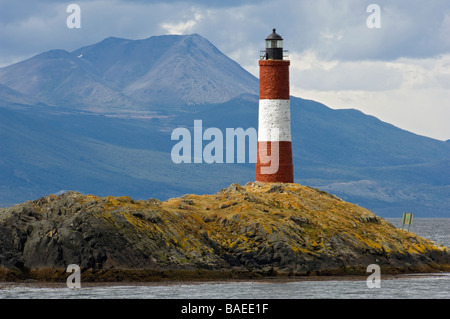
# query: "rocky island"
{"type": "Point", "coordinates": [258, 230]}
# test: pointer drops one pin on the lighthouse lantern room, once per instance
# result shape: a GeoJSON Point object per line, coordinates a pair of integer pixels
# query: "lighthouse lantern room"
{"type": "Point", "coordinates": [274, 46]}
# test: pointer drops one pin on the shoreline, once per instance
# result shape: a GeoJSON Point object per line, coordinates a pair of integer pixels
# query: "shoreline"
{"type": "Point", "coordinates": [60, 282]}
{"type": "Point", "coordinates": [90, 284]}
{"type": "Point", "coordinates": [55, 275]}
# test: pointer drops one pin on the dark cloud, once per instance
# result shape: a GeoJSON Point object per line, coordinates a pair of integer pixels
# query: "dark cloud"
{"type": "Point", "coordinates": [333, 29]}
{"type": "Point", "coordinates": [207, 3]}
{"type": "Point", "coordinates": [337, 29]}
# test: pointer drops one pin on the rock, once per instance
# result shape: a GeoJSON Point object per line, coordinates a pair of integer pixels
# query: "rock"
{"type": "Point", "coordinates": [209, 218]}
{"type": "Point", "coordinates": [301, 221]}
{"type": "Point", "coordinates": [276, 229]}
{"type": "Point", "coordinates": [276, 189]}
{"type": "Point", "coordinates": [369, 219]}
{"type": "Point", "coordinates": [188, 202]}
{"type": "Point", "coordinates": [236, 217]}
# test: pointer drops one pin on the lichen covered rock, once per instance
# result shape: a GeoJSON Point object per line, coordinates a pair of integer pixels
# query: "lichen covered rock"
{"type": "Point", "coordinates": [260, 229]}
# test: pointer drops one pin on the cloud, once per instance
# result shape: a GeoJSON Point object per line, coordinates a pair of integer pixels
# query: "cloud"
{"type": "Point", "coordinates": [416, 100]}
{"type": "Point", "coordinates": [338, 29]}
{"type": "Point", "coordinates": [308, 71]}
{"type": "Point", "coordinates": [333, 29]}
{"type": "Point", "coordinates": [183, 27]}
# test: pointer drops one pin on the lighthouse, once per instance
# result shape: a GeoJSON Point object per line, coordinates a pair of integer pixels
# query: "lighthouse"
{"type": "Point", "coordinates": [274, 155]}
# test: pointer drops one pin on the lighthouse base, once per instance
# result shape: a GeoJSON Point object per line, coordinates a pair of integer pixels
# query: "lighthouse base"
{"type": "Point", "coordinates": [272, 167]}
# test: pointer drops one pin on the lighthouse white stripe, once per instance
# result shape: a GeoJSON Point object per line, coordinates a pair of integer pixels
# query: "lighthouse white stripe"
{"type": "Point", "coordinates": [274, 114]}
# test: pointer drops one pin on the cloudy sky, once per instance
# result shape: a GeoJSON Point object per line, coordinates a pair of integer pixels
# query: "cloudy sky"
{"type": "Point", "coordinates": [399, 72]}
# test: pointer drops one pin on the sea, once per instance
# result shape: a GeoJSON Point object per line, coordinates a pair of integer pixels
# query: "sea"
{"type": "Point", "coordinates": [407, 286]}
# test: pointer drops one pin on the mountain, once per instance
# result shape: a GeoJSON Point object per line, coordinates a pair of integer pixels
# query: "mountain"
{"type": "Point", "coordinates": [85, 121]}
{"type": "Point", "coordinates": [9, 96]}
{"type": "Point", "coordinates": [59, 78]}
{"type": "Point", "coordinates": [117, 74]}
{"type": "Point", "coordinates": [170, 70]}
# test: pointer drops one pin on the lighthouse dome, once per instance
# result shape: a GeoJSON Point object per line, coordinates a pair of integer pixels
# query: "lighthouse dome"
{"type": "Point", "coordinates": [274, 35]}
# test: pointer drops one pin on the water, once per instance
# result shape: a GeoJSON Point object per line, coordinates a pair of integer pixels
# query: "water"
{"type": "Point", "coordinates": [435, 229]}
{"type": "Point", "coordinates": [435, 286]}
{"type": "Point", "coordinates": [415, 286]}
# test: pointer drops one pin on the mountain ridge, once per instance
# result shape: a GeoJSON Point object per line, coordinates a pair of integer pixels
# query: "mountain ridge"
{"type": "Point", "coordinates": [119, 73]}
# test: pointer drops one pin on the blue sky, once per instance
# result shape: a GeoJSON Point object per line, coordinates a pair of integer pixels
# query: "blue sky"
{"type": "Point", "coordinates": [399, 72]}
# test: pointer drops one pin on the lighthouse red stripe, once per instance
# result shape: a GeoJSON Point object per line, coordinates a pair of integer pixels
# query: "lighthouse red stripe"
{"type": "Point", "coordinates": [285, 172]}
{"type": "Point", "coordinates": [274, 79]}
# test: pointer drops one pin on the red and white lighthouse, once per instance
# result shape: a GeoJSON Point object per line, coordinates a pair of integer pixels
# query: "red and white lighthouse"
{"type": "Point", "coordinates": [274, 156]}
